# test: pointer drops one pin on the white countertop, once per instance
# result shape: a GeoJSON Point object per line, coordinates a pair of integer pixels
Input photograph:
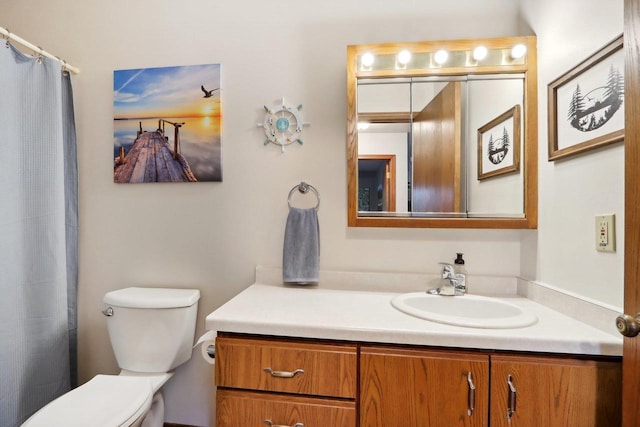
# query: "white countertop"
{"type": "Point", "coordinates": [367, 316]}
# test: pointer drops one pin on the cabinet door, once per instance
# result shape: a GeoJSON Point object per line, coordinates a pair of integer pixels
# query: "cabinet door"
{"type": "Point", "coordinates": [423, 388]}
{"type": "Point", "coordinates": [553, 392]}
{"type": "Point", "coordinates": [247, 409]}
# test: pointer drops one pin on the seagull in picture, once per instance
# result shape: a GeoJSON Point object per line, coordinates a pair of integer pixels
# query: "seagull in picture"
{"type": "Point", "coordinates": [208, 93]}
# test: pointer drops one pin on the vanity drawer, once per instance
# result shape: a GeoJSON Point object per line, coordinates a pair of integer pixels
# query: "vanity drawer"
{"type": "Point", "coordinates": [241, 408]}
{"type": "Point", "coordinates": [286, 366]}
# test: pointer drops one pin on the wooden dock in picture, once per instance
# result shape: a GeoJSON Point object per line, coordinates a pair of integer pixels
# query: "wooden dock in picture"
{"type": "Point", "coordinates": [152, 159]}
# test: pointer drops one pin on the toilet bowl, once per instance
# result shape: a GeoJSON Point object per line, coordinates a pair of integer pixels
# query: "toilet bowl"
{"type": "Point", "coordinates": [151, 332]}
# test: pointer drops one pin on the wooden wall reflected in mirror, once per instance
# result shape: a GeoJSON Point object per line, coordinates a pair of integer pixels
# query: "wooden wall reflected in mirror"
{"type": "Point", "coordinates": [436, 161]}
{"type": "Point", "coordinates": [440, 180]}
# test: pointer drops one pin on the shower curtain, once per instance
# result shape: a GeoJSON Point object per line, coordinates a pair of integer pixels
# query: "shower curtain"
{"type": "Point", "coordinates": [38, 234]}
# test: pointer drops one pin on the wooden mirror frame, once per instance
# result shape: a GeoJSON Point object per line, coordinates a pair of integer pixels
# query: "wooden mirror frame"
{"type": "Point", "coordinates": [527, 67]}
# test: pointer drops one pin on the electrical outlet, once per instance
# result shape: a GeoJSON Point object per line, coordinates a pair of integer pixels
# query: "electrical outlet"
{"type": "Point", "coordinates": [606, 233]}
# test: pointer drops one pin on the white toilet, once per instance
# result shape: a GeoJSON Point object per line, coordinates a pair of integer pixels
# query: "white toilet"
{"type": "Point", "coordinates": [152, 332]}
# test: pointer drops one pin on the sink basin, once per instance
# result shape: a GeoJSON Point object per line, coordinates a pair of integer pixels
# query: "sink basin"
{"type": "Point", "coordinates": [472, 311]}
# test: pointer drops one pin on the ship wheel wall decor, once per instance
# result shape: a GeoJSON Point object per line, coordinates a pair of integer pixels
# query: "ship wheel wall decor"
{"type": "Point", "coordinates": [283, 125]}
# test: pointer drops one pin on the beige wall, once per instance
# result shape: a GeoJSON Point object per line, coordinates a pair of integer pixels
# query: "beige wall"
{"type": "Point", "coordinates": [212, 235]}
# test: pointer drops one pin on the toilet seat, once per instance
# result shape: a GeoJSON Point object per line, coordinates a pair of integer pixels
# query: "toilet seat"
{"type": "Point", "coordinates": [105, 401]}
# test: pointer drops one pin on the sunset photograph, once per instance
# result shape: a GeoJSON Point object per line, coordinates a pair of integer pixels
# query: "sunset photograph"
{"type": "Point", "coordinates": [167, 124]}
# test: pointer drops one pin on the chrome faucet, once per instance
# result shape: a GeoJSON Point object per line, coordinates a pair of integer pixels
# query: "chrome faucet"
{"type": "Point", "coordinates": [452, 283]}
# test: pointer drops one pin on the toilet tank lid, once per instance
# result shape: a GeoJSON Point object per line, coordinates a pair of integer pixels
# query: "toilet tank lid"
{"type": "Point", "coordinates": [135, 297]}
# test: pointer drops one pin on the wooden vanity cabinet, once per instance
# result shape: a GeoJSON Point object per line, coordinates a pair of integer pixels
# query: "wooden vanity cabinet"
{"type": "Point", "coordinates": [423, 388]}
{"type": "Point", "coordinates": [555, 391]}
{"type": "Point", "coordinates": [284, 383]}
{"type": "Point", "coordinates": [430, 388]}
{"type": "Point", "coordinates": [293, 383]}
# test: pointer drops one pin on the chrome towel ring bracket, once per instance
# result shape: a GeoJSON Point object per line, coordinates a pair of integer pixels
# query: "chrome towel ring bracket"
{"type": "Point", "coordinates": [304, 188]}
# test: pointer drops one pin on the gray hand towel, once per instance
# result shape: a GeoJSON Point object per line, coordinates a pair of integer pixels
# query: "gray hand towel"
{"type": "Point", "coordinates": [301, 254]}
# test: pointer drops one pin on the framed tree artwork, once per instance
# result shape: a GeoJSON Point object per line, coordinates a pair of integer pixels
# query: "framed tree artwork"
{"type": "Point", "coordinates": [586, 104]}
{"type": "Point", "coordinates": [499, 145]}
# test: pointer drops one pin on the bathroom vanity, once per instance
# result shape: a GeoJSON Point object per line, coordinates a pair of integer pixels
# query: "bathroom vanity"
{"type": "Point", "coordinates": [304, 356]}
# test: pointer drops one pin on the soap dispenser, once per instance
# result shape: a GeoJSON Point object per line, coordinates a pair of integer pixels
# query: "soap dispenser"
{"type": "Point", "coordinates": [460, 271]}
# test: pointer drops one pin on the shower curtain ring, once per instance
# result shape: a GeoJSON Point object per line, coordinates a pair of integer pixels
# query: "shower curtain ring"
{"type": "Point", "coordinates": [7, 38]}
{"type": "Point", "coordinates": [63, 64]}
{"type": "Point", "coordinates": [65, 72]}
{"type": "Point", "coordinates": [38, 54]}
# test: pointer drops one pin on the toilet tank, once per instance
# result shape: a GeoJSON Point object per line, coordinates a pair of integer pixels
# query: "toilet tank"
{"type": "Point", "coordinates": [151, 329]}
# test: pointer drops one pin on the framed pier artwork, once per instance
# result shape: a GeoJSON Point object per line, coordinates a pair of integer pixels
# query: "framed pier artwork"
{"type": "Point", "coordinates": [167, 124]}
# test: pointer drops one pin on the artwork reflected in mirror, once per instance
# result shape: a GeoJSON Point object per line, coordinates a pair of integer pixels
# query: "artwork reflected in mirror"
{"type": "Point", "coordinates": [499, 145]}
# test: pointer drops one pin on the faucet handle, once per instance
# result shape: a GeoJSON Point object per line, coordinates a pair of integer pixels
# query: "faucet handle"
{"type": "Point", "coordinates": [448, 270]}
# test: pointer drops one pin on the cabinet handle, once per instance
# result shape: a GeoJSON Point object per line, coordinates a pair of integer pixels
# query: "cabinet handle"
{"type": "Point", "coordinates": [283, 374]}
{"type": "Point", "coordinates": [511, 405]}
{"type": "Point", "coordinates": [271, 424]}
{"type": "Point", "coordinates": [472, 394]}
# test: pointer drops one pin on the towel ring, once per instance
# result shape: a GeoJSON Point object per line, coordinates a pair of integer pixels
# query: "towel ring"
{"type": "Point", "coordinates": [304, 188]}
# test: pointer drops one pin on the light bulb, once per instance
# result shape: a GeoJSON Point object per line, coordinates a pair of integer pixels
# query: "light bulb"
{"type": "Point", "coordinates": [480, 53]}
{"type": "Point", "coordinates": [404, 57]}
{"type": "Point", "coordinates": [368, 59]}
{"type": "Point", "coordinates": [518, 51]}
{"type": "Point", "coordinates": [441, 56]}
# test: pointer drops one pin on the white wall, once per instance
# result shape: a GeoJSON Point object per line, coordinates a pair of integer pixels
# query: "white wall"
{"type": "Point", "coordinates": [573, 191]}
{"type": "Point", "coordinates": [212, 235]}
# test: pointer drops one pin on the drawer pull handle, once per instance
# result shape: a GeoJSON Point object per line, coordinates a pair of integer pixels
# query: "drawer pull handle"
{"type": "Point", "coordinates": [472, 395]}
{"type": "Point", "coordinates": [283, 374]}
{"type": "Point", "coordinates": [511, 408]}
{"type": "Point", "coordinates": [271, 424]}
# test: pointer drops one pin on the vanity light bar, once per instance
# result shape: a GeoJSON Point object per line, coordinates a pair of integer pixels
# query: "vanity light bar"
{"type": "Point", "coordinates": [479, 56]}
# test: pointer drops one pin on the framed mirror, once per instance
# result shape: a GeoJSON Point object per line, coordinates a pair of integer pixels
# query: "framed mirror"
{"type": "Point", "coordinates": [442, 134]}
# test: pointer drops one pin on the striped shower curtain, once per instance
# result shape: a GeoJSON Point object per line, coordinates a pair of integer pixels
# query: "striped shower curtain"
{"type": "Point", "coordinates": [38, 234]}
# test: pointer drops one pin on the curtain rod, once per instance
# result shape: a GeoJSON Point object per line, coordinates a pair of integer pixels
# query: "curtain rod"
{"type": "Point", "coordinates": [8, 35]}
